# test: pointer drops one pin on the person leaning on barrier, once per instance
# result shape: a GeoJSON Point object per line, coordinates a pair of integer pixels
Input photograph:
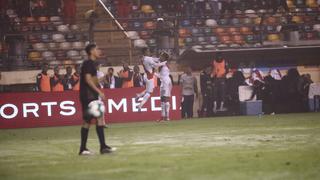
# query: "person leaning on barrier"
{"type": "Point", "coordinates": [56, 80]}
{"type": "Point", "coordinates": [75, 79]}
{"type": "Point", "coordinates": [43, 79]}
{"type": "Point", "coordinates": [138, 80]}
{"type": "Point", "coordinates": [67, 79]}
{"type": "Point", "coordinates": [112, 81]}
{"type": "Point", "coordinates": [126, 75]}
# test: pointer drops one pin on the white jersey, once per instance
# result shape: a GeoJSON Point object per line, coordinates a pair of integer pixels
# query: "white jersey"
{"type": "Point", "coordinates": [149, 63]}
{"type": "Point", "coordinates": [166, 84]}
{"type": "Point", "coordinates": [165, 73]}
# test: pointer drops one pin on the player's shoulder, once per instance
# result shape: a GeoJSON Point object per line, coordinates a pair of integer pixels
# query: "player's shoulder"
{"type": "Point", "coordinates": [39, 75]}
{"type": "Point", "coordinates": [86, 62]}
{"type": "Point", "coordinates": [147, 58]}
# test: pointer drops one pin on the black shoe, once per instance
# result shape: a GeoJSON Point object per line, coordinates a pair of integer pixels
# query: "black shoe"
{"type": "Point", "coordinates": [107, 150]}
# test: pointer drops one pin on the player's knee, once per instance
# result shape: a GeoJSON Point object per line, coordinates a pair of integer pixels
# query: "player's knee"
{"type": "Point", "coordinates": [100, 121]}
{"type": "Point", "coordinates": [164, 99]}
{"type": "Point", "coordinates": [147, 95]}
{"type": "Point", "coordinates": [86, 125]}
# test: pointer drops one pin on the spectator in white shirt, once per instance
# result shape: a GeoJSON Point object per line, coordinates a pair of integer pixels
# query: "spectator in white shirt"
{"type": "Point", "coordinates": [189, 87]}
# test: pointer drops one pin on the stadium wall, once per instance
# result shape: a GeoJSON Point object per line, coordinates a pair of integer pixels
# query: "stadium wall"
{"type": "Point", "coordinates": [30, 110]}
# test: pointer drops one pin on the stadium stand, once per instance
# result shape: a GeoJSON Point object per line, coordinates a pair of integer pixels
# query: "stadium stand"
{"type": "Point", "coordinates": [241, 25]}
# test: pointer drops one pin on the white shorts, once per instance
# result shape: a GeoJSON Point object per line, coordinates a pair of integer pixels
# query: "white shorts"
{"type": "Point", "coordinates": [165, 88]}
{"type": "Point", "coordinates": [149, 85]}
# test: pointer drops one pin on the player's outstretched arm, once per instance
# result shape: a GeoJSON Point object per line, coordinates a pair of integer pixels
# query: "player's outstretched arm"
{"type": "Point", "coordinates": [159, 64]}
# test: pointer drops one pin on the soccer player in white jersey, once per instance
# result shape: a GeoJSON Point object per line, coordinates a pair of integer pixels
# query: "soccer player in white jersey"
{"type": "Point", "coordinates": [165, 87]}
{"type": "Point", "coordinates": [149, 63]}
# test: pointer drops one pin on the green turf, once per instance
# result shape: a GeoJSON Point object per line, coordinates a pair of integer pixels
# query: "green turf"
{"type": "Point", "coordinates": [270, 147]}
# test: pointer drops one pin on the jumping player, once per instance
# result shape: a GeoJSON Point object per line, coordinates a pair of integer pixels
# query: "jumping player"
{"type": "Point", "coordinates": [165, 87]}
{"type": "Point", "coordinates": [149, 63]}
{"type": "Point", "coordinates": [89, 91]}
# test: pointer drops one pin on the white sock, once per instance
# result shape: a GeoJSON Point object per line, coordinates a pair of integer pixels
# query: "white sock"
{"type": "Point", "coordinates": [163, 109]}
{"type": "Point", "coordinates": [221, 105]}
{"type": "Point", "coordinates": [140, 95]}
{"type": "Point", "coordinates": [144, 99]}
{"type": "Point", "coordinates": [214, 106]}
{"type": "Point", "coordinates": [167, 110]}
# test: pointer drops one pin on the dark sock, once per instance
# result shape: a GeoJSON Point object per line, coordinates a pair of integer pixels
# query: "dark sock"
{"type": "Point", "coordinates": [100, 133]}
{"type": "Point", "coordinates": [84, 138]}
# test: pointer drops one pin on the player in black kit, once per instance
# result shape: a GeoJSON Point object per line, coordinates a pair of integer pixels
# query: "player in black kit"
{"type": "Point", "coordinates": [89, 91]}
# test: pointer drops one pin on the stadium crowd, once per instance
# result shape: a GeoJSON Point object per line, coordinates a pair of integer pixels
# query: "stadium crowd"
{"type": "Point", "coordinates": [38, 8]}
{"type": "Point", "coordinates": [125, 78]}
{"type": "Point", "coordinates": [123, 8]}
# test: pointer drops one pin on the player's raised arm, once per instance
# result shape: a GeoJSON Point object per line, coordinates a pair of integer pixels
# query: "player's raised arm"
{"type": "Point", "coordinates": [158, 64]}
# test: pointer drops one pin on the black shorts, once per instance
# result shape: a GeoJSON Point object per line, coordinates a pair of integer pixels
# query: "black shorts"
{"type": "Point", "coordinates": [85, 110]}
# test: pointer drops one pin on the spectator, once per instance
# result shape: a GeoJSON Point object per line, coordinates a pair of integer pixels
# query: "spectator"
{"type": "Point", "coordinates": [54, 7]}
{"type": "Point", "coordinates": [206, 92]}
{"type": "Point", "coordinates": [100, 75]}
{"type": "Point", "coordinates": [290, 93]}
{"type": "Point", "coordinates": [227, 6]}
{"type": "Point", "coordinates": [200, 7]}
{"type": "Point", "coordinates": [69, 11]}
{"type": "Point", "coordinates": [275, 5]}
{"type": "Point", "coordinates": [4, 5]}
{"type": "Point", "coordinates": [256, 80]}
{"type": "Point", "coordinates": [214, 6]}
{"type": "Point", "coordinates": [126, 75]}
{"type": "Point", "coordinates": [67, 79]}
{"type": "Point", "coordinates": [43, 79]}
{"type": "Point", "coordinates": [38, 7]}
{"type": "Point", "coordinates": [232, 94]}
{"type": "Point", "coordinates": [75, 81]}
{"type": "Point", "coordinates": [56, 80]}
{"type": "Point", "coordinates": [303, 88]}
{"type": "Point", "coordinates": [112, 81]}
{"type": "Point", "coordinates": [189, 86]}
{"type": "Point", "coordinates": [138, 80]}
{"type": "Point", "coordinates": [123, 8]}
{"type": "Point", "coordinates": [219, 71]}
{"type": "Point", "coordinates": [272, 92]}
{"type": "Point", "coordinates": [162, 34]}
{"type": "Point", "coordinates": [20, 8]}
{"type": "Point", "coordinates": [188, 6]}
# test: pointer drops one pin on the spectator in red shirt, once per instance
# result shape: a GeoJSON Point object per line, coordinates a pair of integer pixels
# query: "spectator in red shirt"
{"type": "Point", "coordinates": [69, 11]}
{"type": "Point", "coordinates": [123, 8]}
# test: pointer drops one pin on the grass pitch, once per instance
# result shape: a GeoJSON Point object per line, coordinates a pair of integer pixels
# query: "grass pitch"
{"type": "Point", "coordinates": [270, 147]}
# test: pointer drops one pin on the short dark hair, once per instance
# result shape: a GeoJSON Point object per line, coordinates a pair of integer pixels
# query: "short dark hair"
{"type": "Point", "coordinates": [89, 47]}
{"type": "Point", "coordinates": [110, 69]}
{"type": "Point", "coordinates": [144, 50]}
{"type": "Point", "coordinates": [165, 55]}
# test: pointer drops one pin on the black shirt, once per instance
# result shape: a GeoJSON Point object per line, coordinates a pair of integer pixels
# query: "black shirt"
{"type": "Point", "coordinates": [87, 94]}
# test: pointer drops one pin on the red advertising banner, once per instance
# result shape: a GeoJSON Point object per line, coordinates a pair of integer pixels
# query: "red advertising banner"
{"type": "Point", "coordinates": [28, 110]}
